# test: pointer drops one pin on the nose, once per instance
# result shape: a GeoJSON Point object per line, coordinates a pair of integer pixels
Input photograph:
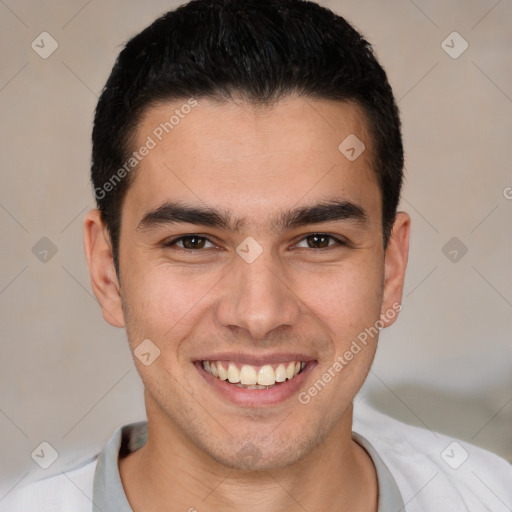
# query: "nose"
{"type": "Point", "coordinates": [258, 299]}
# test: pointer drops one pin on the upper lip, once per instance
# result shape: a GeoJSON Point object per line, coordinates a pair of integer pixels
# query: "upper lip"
{"type": "Point", "coordinates": [256, 359]}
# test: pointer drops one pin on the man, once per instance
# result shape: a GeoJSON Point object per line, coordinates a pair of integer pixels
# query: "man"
{"type": "Point", "coordinates": [247, 163]}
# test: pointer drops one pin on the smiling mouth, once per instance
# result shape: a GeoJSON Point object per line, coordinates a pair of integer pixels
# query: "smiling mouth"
{"type": "Point", "coordinates": [253, 377]}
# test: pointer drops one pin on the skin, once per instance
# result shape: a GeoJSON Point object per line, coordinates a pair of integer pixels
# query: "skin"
{"type": "Point", "coordinates": [255, 164]}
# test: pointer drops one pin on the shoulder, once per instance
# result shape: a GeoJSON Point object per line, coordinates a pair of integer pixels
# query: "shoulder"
{"type": "Point", "coordinates": [70, 490]}
{"type": "Point", "coordinates": [434, 470]}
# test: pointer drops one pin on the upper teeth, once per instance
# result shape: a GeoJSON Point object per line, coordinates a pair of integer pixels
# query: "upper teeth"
{"type": "Point", "coordinates": [266, 375]}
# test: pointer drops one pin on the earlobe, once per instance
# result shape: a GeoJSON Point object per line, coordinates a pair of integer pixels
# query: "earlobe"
{"type": "Point", "coordinates": [104, 282]}
{"type": "Point", "coordinates": [395, 264]}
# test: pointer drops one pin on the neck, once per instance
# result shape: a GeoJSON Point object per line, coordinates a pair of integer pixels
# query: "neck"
{"type": "Point", "coordinates": [170, 473]}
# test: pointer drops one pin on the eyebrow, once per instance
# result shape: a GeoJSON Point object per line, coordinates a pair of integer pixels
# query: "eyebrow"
{"type": "Point", "coordinates": [326, 211]}
{"type": "Point", "coordinates": [173, 213]}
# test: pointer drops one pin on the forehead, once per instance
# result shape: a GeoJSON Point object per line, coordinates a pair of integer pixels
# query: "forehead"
{"type": "Point", "coordinates": [237, 156]}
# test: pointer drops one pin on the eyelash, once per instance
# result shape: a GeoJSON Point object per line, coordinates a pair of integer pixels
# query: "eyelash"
{"type": "Point", "coordinates": [170, 243]}
{"type": "Point", "coordinates": [337, 241]}
{"type": "Point", "coordinates": [173, 242]}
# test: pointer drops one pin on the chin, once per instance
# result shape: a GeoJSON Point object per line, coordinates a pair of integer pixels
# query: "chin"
{"type": "Point", "coordinates": [266, 453]}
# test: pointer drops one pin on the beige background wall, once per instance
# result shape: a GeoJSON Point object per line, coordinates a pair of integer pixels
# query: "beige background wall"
{"type": "Point", "coordinates": [67, 377]}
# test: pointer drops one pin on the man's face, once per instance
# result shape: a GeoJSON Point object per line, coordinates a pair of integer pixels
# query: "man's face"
{"type": "Point", "coordinates": [285, 264]}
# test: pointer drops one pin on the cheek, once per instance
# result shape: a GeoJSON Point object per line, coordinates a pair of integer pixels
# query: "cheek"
{"type": "Point", "coordinates": [347, 298]}
{"type": "Point", "coordinates": [347, 303]}
{"type": "Point", "coordinates": [163, 302]}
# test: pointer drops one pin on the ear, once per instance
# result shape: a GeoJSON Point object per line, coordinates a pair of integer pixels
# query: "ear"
{"type": "Point", "coordinates": [395, 263]}
{"type": "Point", "coordinates": [105, 285]}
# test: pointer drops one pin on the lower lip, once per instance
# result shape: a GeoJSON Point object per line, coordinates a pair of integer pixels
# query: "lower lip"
{"type": "Point", "coordinates": [256, 397]}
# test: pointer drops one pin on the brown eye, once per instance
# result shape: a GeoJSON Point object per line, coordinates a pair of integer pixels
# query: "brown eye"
{"type": "Point", "coordinates": [318, 241]}
{"type": "Point", "coordinates": [190, 242]}
{"type": "Point", "coordinates": [193, 242]}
